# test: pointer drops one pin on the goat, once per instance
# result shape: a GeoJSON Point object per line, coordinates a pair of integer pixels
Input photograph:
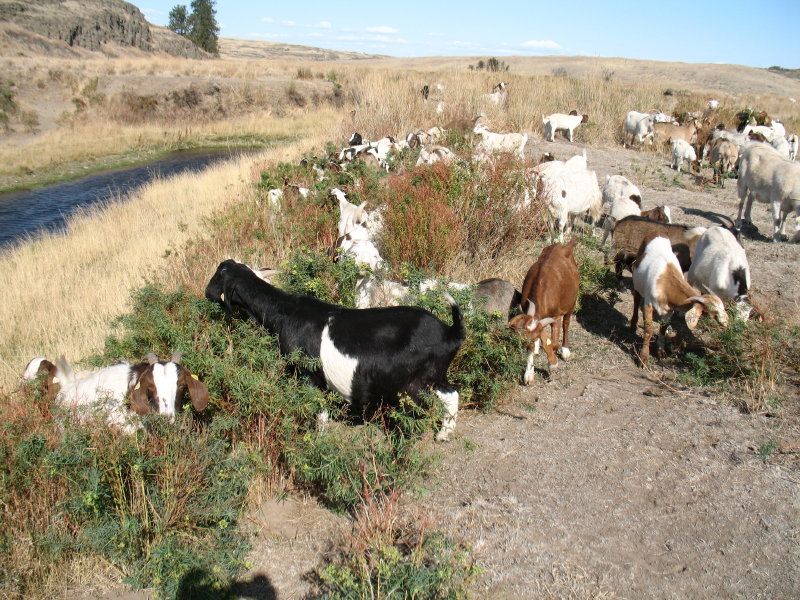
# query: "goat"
{"type": "Point", "coordinates": [497, 296]}
{"type": "Point", "coordinates": [499, 94]}
{"type": "Point", "coordinates": [668, 133]}
{"type": "Point", "coordinates": [623, 199]}
{"type": "Point", "coordinates": [549, 293]}
{"type": "Point", "coordinates": [766, 176]}
{"type": "Point", "coordinates": [569, 189]}
{"type": "Point", "coordinates": [682, 151]}
{"type": "Point", "coordinates": [723, 156]}
{"type": "Point", "coordinates": [434, 154]}
{"type": "Point", "coordinates": [659, 289]}
{"type": "Point", "coordinates": [147, 387]}
{"type": "Point", "coordinates": [637, 126]}
{"type": "Point", "coordinates": [630, 232]}
{"type": "Point", "coordinates": [794, 146]}
{"type": "Point", "coordinates": [713, 104]}
{"type": "Point", "coordinates": [499, 142]}
{"type": "Point", "coordinates": [562, 122]}
{"type": "Point", "coordinates": [369, 356]}
{"type": "Point", "coordinates": [720, 266]}
{"type": "Point", "coordinates": [660, 213]}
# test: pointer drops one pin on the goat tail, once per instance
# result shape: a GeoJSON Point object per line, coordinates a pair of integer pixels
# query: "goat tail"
{"type": "Point", "coordinates": [457, 328]}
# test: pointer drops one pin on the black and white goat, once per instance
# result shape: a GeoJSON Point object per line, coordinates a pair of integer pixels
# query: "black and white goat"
{"type": "Point", "coordinates": [147, 387]}
{"type": "Point", "coordinates": [369, 356]}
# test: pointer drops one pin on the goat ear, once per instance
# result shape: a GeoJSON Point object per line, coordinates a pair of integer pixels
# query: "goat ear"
{"type": "Point", "coordinates": [151, 358]}
{"type": "Point", "coordinates": [198, 392]}
{"type": "Point", "coordinates": [693, 315]}
{"type": "Point", "coordinates": [532, 325]}
{"type": "Point", "coordinates": [138, 398]}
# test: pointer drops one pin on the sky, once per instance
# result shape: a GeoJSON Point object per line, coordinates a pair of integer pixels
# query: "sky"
{"type": "Point", "coordinates": [759, 34]}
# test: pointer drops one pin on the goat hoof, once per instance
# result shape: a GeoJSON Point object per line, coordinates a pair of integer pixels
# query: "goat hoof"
{"type": "Point", "coordinates": [564, 353]}
{"type": "Point", "coordinates": [442, 436]}
{"type": "Point", "coordinates": [529, 377]}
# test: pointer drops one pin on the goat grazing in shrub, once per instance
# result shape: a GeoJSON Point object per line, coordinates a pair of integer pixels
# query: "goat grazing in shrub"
{"type": "Point", "coordinates": [550, 292]}
{"type": "Point", "coordinates": [369, 356]}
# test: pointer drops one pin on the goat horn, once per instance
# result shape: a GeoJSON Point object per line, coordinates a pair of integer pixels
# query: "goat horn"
{"type": "Point", "coordinates": [176, 357]}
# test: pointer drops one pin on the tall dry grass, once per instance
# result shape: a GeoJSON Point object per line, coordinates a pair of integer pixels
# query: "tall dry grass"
{"type": "Point", "coordinates": [69, 287]}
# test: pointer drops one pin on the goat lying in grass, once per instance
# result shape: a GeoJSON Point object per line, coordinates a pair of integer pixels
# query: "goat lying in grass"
{"type": "Point", "coordinates": [147, 387]}
{"type": "Point", "coordinates": [369, 356]}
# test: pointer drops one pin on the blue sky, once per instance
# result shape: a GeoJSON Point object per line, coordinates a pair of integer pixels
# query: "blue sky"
{"type": "Point", "coordinates": [759, 34]}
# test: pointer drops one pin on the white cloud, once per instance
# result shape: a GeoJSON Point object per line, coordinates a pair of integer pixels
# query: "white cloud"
{"type": "Point", "coordinates": [549, 44]}
{"type": "Point", "coordinates": [382, 29]}
{"type": "Point", "coordinates": [267, 19]}
{"type": "Point", "coordinates": [289, 23]}
{"type": "Point", "coordinates": [324, 25]}
{"type": "Point", "coordinates": [267, 36]}
{"type": "Point", "coordinates": [315, 34]}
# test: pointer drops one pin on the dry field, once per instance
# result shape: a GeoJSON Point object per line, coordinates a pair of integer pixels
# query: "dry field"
{"type": "Point", "coordinates": [606, 481]}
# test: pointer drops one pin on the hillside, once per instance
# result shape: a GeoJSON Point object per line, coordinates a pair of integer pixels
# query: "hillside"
{"type": "Point", "coordinates": [255, 49]}
{"type": "Point", "coordinates": [63, 28]}
{"type": "Point", "coordinates": [724, 79]}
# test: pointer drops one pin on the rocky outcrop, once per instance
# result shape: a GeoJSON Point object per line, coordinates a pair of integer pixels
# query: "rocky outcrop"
{"type": "Point", "coordinates": [94, 25]}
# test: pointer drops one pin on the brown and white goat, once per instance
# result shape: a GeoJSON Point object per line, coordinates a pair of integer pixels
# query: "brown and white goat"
{"type": "Point", "coordinates": [550, 292]}
{"type": "Point", "coordinates": [660, 289]}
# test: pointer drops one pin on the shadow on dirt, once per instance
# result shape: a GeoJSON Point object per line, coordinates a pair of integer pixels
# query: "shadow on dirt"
{"type": "Point", "coordinates": [199, 584]}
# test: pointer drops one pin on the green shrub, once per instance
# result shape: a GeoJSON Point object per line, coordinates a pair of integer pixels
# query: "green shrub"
{"type": "Point", "coordinates": [750, 356]}
{"type": "Point", "coordinates": [315, 274]}
{"type": "Point", "coordinates": [431, 567]}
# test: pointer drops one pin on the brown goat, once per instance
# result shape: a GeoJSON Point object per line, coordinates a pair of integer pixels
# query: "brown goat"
{"type": "Point", "coordinates": [549, 293]}
{"type": "Point", "coordinates": [660, 213]}
{"type": "Point", "coordinates": [630, 232]}
{"type": "Point", "coordinates": [666, 133]}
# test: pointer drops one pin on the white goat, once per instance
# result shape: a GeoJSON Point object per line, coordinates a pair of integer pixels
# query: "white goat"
{"type": "Point", "coordinates": [682, 151]}
{"type": "Point", "coordinates": [794, 146]}
{"type": "Point", "coordinates": [569, 189]}
{"type": "Point", "coordinates": [766, 176]}
{"type": "Point", "coordinates": [720, 266]}
{"type": "Point", "coordinates": [151, 387]}
{"type": "Point", "coordinates": [623, 199]}
{"type": "Point", "coordinates": [638, 126]}
{"type": "Point", "coordinates": [434, 154]}
{"type": "Point", "coordinates": [492, 143]}
{"type": "Point", "coordinates": [562, 122]}
{"type": "Point", "coordinates": [499, 94]}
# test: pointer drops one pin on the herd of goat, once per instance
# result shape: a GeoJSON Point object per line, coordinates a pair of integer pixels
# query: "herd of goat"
{"type": "Point", "coordinates": [382, 349]}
